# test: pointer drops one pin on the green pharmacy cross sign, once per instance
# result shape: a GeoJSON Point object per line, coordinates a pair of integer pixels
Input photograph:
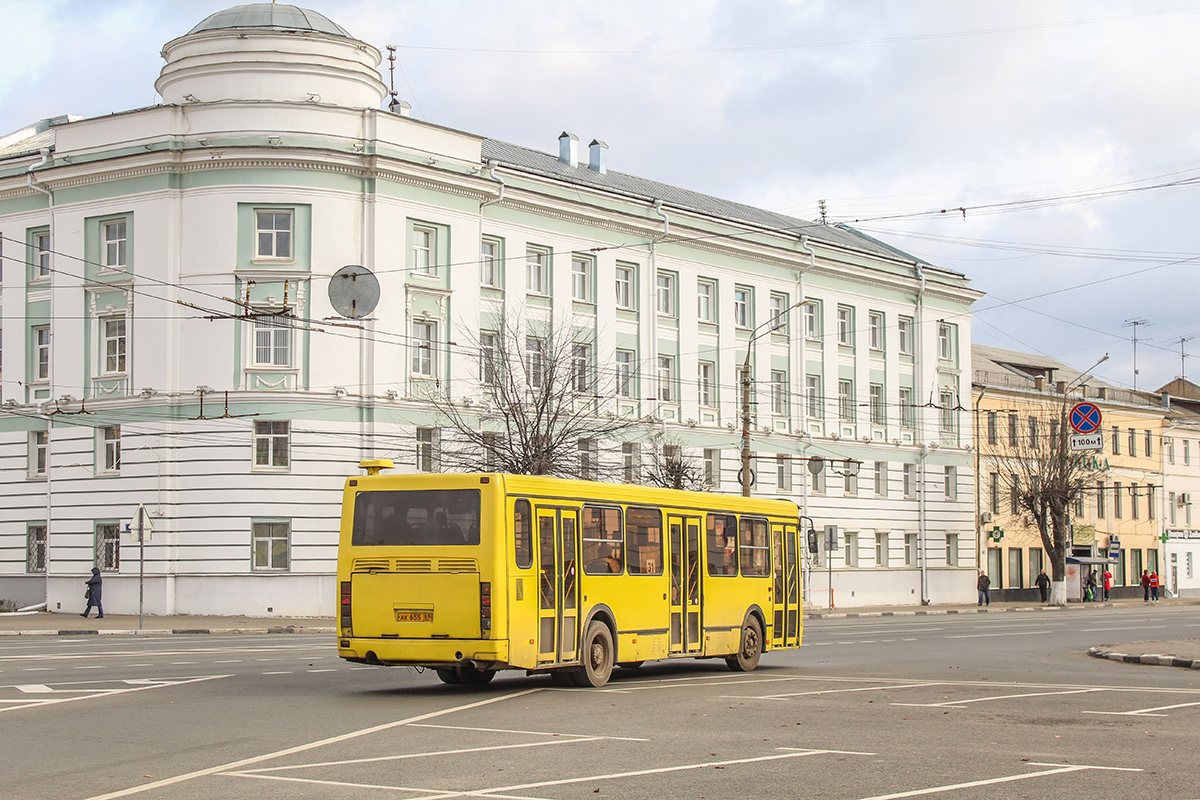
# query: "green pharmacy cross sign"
{"type": "Point", "coordinates": [996, 533]}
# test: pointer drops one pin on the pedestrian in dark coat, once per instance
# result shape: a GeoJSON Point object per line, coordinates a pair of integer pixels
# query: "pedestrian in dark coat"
{"type": "Point", "coordinates": [1145, 586]}
{"type": "Point", "coordinates": [94, 594]}
{"type": "Point", "coordinates": [1043, 584]}
{"type": "Point", "coordinates": [984, 584]}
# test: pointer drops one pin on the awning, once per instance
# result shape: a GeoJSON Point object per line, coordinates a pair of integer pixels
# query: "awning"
{"type": "Point", "coordinates": [1089, 560]}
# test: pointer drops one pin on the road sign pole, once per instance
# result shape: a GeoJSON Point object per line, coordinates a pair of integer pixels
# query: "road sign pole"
{"type": "Point", "coordinates": [141, 524]}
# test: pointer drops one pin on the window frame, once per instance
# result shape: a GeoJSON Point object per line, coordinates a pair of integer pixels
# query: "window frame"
{"type": "Point", "coordinates": [491, 263]}
{"type": "Point", "coordinates": [624, 360]}
{"type": "Point", "coordinates": [666, 378]}
{"type": "Point", "coordinates": [42, 251]}
{"type": "Point", "coordinates": [779, 393]}
{"type": "Point", "coordinates": [35, 548]}
{"type": "Point", "coordinates": [626, 283]}
{"type": "Point", "coordinates": [423, 360]}
{"type": "Point", "coordinates": [537, 271]}
{"type": "Point", "coordinates": [271, 437]}
{"type": "Point", "coordinates": [424, 250]}
{"type": "Point", "coordinates": [271, 536]}
{"type": "Point", "coordinates": [875, 330]}
{"type": "Point", "coordinates": [706, 297]}
{"type": "Point", "coordinates": [878, 411]}
{"type": "Point", "coordinates": [705, 376]}
{"type": "Point", "coordinates": [581, 368]}
{"type": "Point", "coordinates": [743, 305]}
{"type": "Point", "coordinates": [813, 407]}
{"type": "Point", "coordinates": [39, 453]}
{"type": "Point", "coordinates": [847, 412]}
{"type": "Point", "coordinates": [114, 348]}
{"type": "Point", "coordinates": [274, 234]}
{"type": "Point", "coordinates": [427, 453]}
{"type": "Point", "coordinates": [41, 339]}
{"type": "Point", "coordinates": [904, 335]}
{"type": "Point", "coordinates": [845, 325]}
{"type": "Point", "coordinates": [489, 342]}
{"type": "Point", "coordinates": [582, 279]}
{"type": "Point", "coordinates": [664, 293]}
{"type": "Point", "coordinates": [779, 313]}
{"type": "Point", "coordinates": [272, 332]}
{"type": "Point", "coordinates": [109, 448]}
{"type": "Point", "coordinates": [812, 320]}
{"type": "Point", "coordinates": [115, 251]}
{"type": "Point", "coordinates": [106, 546]}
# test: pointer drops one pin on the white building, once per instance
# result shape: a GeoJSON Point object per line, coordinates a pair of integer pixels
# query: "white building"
{"type": "Point", "coordinates": [168, 343]}
{"type": "Point", "coordinates": [1181, 488]}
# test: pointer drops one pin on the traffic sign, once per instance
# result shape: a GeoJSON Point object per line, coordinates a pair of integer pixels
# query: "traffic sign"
{"type": "Point", "coordinates": [1087, 441]}
{"type": "Point", "coordinates": [1085, 418]}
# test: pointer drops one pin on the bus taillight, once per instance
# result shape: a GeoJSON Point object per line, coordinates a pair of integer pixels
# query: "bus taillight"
{"type": "Point", "coordinates": [345, 607]}
{"type": "Point", "coordinates": [485, 606]}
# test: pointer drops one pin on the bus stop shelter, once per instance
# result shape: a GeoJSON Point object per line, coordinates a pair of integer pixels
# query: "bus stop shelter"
{"type": "Point", "coordinates": [1078, 568]}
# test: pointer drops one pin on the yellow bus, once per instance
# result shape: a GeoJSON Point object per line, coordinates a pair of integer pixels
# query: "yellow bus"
{"type": "Point", "coordinates": [469, 574]}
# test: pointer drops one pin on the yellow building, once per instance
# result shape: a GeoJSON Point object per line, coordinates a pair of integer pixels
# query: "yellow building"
{"type": "Point", "coordinates": [1017, 398]}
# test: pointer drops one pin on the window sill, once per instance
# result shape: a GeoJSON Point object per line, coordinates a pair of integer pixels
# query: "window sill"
{"type": "Point", "coordinates": [271, 261]}
{"type": "Point", "coordinates": [108, 270]}
{"type": "Point", "coordinates": [269, 469]}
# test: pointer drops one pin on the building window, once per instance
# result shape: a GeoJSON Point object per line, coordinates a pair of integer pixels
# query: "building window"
{"type": "Point", "coordinates": [812, 320]}
{"type": "Point", "coordinates": [491, 452]}
{"type": "Point", "coordinates": [904, 335]}
{"type": "Point", "coordinates": [1033, 432]}
{"type": "Point", "coordinates": [779, 308]}
{"type": "Point", "coordinates": [1171, 515]}
{"type": "Point", "coordinates": [875, 329]}
{"type": "Point", "coordinates": [624, 287]}
{"type": "Point", "coordinates": [35, 548]}
{"type": "Point", "coordinates": [38, 454]}
{"type": "Point", "coordinates": [993, 427]}
{"type": "Point", "coordinates": [537, 279]}
{"type": "Point", "coordinates": [1150, 497]}
{"type": "Point", "coordinates": [1014, 495]}
{"type": "Point", "coordinates": [949, 411]}
{"type": "Point", "coordinates": [1118, 511]}
{"type": "Point", "coordinates": [487, 359]}
{"type": "Point", "coordinates": [1169, 447]}
{"type": "Point", "coordinates": [704, 382]}
{"type": "Point", "coordinates": [272, 340]}
{"type": "Point", "coordinates": [994, 492]}
{"type": "Point", "coordinates": [845, 325]}
{"type": "Point", "coordinates": [581, 368]}
{"type": "Point", "coordinates": [783, 473]}
{"type": "Point", "coordinates": [665, 293]}
{"type": "Point", "coordinates": [712, 468]}
{"type": "Point", "coordinates": [271, 443]}
{"type": "Point", "coordinates": [1013, 432]}
{"type": "Point", "coordinates": [581, 279]}
{"type": "Point", "coordinates": [910, 550]}
{"type": "Point", "coordinates": [1116, 441]}
{"type": "Point", "coordinates": [910, 480]}
{"type": "Point", "coordinates": [41, 353]}
{"type": "Point", "coordinates": [270, 545]}
{"type": "Point", "coordinates": [631, 466]}
{"type": "Point", "coordinates": [705, 294]}
{"type": "Point", "coordinates": [1101, 511]}
{"type": "Point", "coordinates": [625, 373]}
{"type": "Point", "coordinates": [110, 444]}
{"type": "Point", "coordinates": [812, 396]}
{"type": "Point", "coordinates": [41, 256]}
{"type": "Point", "coordinates": [850, 486]}
{"type": "Point", "coordinates": [945, 342]}
{"type": "Point", "coordinates": [951, 483]}
{"type": "Point", "coordinates": [489, 262]}
{"type": "Point", "coordinates": [881, 550]}
{"type": "Point", "coordinates": [535, 360]}
{"type": "Point", "coordinates": [1134, 511]}
{"type": "Point", "coordinates": [741, 307]}
{"type": "Point", "coordinates": [951, 549]}
{"type": "Point", "coordinates": [587, 459]}
{"type": "Point", "coordinates": [666, 378]}
{"type": "Point", "coordinates": [424, 250]}
{"type": "Point", "coordinates": [113, 234]}
{"type": "Point", "coordinates": [427, 449]}
{"type": "Point", "coordinates": [107, 553]}
{"type": "Point", "coordinates": [1187, 458]}
{"type": "Point", "coordinates": [273, 233]}
{"type": "Point", "coordinates": [1149, 444]}
{"type": "Point", "coordinates": [113, 335]}
{"type": "Point", "coordinates": [423, 343]}
{"type": "Point", "coordinates": [908, 412]}
{"type": "Point", "coordinates": [1132, 442]}
{"type": "Point", "coordinates": [851, 549]}
{"type": "Point", "coordinates": [881, 479]}
{"type": "Point", "coordinates": [818, 482]}
{"type": "Point", "coordinates": [846, 401]}
{"type": "Point", "coordinates": [779, 393]}
{"type": "Point", "coordinates": [878, 415]}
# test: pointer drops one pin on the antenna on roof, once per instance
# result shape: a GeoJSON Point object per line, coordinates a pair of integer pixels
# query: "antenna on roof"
{"type": "Point", "coordinates": [394, 102]}
{"type": "Point", "coordinates": [821, 207]}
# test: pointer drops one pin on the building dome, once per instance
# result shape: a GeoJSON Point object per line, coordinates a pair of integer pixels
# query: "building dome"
{"type": "Point", "coordinates": [269, 16]}
{"type": "Point", "coordinates": [269, 52]}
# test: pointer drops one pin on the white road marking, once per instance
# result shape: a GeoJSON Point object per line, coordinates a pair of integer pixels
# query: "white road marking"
{"type": "Point", "coordinates": [94, 666]}
{"type": "Point", "coordinates": [38, 669]}
{"type": "Point", "coordinates": [986, 635]}
{"type": "Point", "coordinates": [829, 691]}
{"type": "Point", "coordinates": [1056, 770]}
{"type": "Point", "coordinates": [34, 688]}
{"type": "Point", "coordinates": [229, 661]}
{"type": "Point", "coordinates": [85, 693]}
{"type": "Point", "coordinates": [1144, 712]}
{"type": "Point", "coordinates": [284, 672]}
{"type": "Point", "coordinates": [322, 670]}
{"type": "Point", "coordinates": [961, 703]}
{"type": "Point", "coordinates": [287, 751]}
{"type": "Point", "coordinates": [526, 733]}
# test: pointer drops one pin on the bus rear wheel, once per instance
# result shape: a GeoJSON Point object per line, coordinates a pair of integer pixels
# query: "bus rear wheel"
{"type": "Point", "coordinates": [746, 658]}
{"type": "Point", "coordinates": [449, 676]}
{"type": "Point", "coordinates": [466, 676]}
{"type": "Point", "coordinates": [596, 655]}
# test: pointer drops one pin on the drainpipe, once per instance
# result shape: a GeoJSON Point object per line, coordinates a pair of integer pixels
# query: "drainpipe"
{"type": "Point", "coordinates": [491, 167]}
{"type": "Point", "coordinates": [922, 533]}
{"type": "Point", "coordinates": [33, 184]}
{"type": "Point", "coordinates": [366, 334]}
{"type": "Point", "coordinates": [652, 300]}
{"type": "Point", "coordinates": [801, 368]}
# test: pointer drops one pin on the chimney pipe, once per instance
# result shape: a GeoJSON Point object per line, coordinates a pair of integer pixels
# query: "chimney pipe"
{"type": "Point", "coordinates": [1039, 383]}
{"type": "Point", "coordinates": [598, 156]}
{"type": "Point", "coordinates": [568, 148]}
{"type": "Point", "coordinates": [1102, 392]}
{"type": "Point", "coordinates": [1060, 387]}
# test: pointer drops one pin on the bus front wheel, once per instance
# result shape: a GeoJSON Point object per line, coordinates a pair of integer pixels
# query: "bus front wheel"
{"type": "Point", "coordinates": [746, 658]}
{"type": "Point", "coordinates": [597, 656]}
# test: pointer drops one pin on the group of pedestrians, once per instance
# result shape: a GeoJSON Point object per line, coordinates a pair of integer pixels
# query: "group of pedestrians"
{"type": "Point", "coordinates": [1150, 584]}
{"type": "Point", "coordinates": [1093, 585]}
{"type": "Point", "coordinates": [1097, 586]}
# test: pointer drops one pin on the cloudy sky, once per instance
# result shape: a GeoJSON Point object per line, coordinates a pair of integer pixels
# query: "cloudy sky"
{"type": "Point", "coordinates": [1048, 149]}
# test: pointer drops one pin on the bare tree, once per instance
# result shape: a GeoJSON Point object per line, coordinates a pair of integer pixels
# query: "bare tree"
{"type": "Point", "coordinates": [538, 405]}
{"type": "Point", "coordinates": [669, 468]}
{"type": "Point", "coordinates": [1047, 479]}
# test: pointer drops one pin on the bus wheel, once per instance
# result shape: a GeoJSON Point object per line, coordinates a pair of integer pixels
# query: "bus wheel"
{"type": "Point", "coordinates": [748, 654]}
{"type": "Point", "coordinates": [475, 677]}
{"type": "Point", "coordinates": [630, 664]}
{"type": "Point", "coordinates": [449, 676]}
{"type": "Point", "coordinates": [562, 677]}
{"type": "Point", "coordinates": [596, 655]}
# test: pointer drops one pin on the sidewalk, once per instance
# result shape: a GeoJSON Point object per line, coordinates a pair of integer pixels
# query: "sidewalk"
{"type": "Point", "coordinates": [47, 624]}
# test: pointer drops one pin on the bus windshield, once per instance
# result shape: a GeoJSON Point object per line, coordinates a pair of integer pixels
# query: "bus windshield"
{"type": "Point", "coordinates": [430, 517]}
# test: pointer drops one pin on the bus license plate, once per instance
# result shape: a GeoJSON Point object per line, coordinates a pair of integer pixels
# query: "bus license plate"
{"type": "Point", "coordinates": [414, 616]}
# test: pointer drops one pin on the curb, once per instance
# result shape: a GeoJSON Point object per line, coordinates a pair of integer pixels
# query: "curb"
{"type": "Point", "coordinates": [1147, 658]}
{"type": "Point", "coordinates": [933, 612]}
{"type": "Point", "coordinates": [170, 631]}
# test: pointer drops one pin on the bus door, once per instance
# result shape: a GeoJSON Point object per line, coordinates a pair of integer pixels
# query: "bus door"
{"type": "Point", "coordinates": [558, 582]}
{"type": "Point", "coordinates": [787, 586]}
{"type": "Point", "coordinates": [685, 583]}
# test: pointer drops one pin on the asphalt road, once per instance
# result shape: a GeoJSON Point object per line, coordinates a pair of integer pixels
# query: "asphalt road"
{"type": "Point", "coordinates": [971, 706]}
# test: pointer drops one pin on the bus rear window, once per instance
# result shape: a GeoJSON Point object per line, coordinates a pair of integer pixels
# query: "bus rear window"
{"type": "Point", "coordinates": [416, 518]}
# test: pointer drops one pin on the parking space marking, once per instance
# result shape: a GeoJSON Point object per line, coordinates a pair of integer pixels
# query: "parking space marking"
{"type": "Point", "coordinates": [1033, 632]}
{"type": "Point", "coordinates": [963, 703]}
{"type": "Point", "coordinates": [1144, 712]}
{"type": "Point", "coordinates": [527, 733]}
{"type": "Point", "coordinates": [831, 691]}
{"type": "Point", "coordinates": [301, 748]}
{"type": "Point", "coordinates": [84, 690]}
{"type": "Point", "coordinates": [1056, 769]}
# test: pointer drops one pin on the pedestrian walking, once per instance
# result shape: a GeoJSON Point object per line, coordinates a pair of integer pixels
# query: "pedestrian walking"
{"type": "Point", "coordinates": [1145, 586]}
{"type": "Point", "coordinates": [984, 584]}
{"type": "Point", "coordinates": [1154, 587]}
{"type": "Point", "coordinates": [1043, 583]}
{"type": "Point", "coordinates": [94, 593]}
{"type": "Point", "coordinates": [1089, 590]}
{"type": "Point", "coordinates": [1107, 583]}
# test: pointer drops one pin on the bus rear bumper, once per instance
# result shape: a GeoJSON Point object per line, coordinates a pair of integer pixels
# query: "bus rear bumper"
{"type": "Point", "coordinates": [485, 653]}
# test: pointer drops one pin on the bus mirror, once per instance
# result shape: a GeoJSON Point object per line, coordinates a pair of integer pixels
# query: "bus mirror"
{"type": "Point", "coordinates": [813, 543]}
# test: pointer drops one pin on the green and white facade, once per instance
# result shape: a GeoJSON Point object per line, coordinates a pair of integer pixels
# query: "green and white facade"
{"type": "Point", "coordinates": [146, 255]}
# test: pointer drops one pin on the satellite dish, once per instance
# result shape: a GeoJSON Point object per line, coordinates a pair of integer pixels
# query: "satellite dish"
{"type": "Point", "coordinates": [354, 291]}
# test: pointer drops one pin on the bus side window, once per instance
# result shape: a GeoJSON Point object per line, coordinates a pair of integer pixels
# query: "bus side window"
{"type": "Point", "coordinates": [523, 533]}
{"type": "Point", "coordinates": [755, 546]}
{"type": "Point", "coordinates": [722, 544]}
{"type": "Point", "coordinates": [602, 550]}
{"type": "Point", "coordinates": [644, 541]}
